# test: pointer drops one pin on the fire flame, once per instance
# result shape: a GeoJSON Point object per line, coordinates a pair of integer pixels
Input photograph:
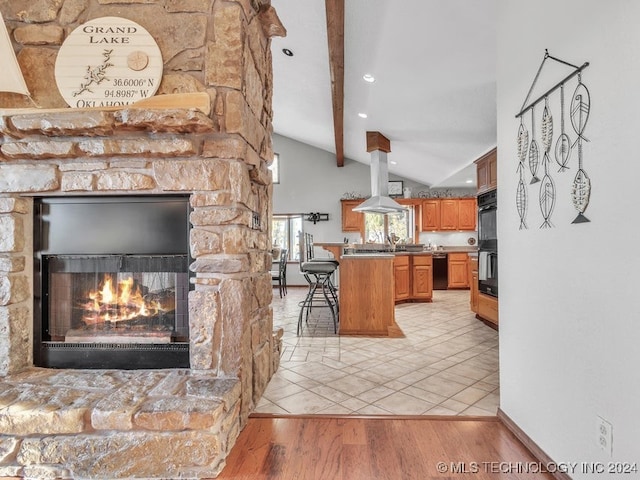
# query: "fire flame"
{"type": "Point", "coordinates": [122, 302]}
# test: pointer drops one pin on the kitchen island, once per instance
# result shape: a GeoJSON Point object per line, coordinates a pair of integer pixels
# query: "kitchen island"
{"type": "Point", "coordinates": [367, 295]}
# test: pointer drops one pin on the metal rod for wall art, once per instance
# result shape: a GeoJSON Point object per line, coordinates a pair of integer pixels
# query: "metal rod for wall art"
{"type": "Point", "coordinates": [552, 89]}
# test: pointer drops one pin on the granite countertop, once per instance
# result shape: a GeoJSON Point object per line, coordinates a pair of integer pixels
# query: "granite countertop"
{"type": "Point", "coordinates": [368, 255]}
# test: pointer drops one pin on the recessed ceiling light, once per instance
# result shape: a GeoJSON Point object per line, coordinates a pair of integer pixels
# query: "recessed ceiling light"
{"type": "Point", "coordinates": [393, 162]}
{"type": "Point", "coordinates": [287, 52]}
{"type": "Point", "coordinates": [362, 115]}
{"type": "Point", "coordinates": [469, 181]}
{"type": "Point", "coordinates": [368, 78]}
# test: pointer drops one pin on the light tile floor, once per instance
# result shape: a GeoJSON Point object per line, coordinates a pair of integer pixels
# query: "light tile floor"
{"type": "Point", "coordinates": [447, 363]}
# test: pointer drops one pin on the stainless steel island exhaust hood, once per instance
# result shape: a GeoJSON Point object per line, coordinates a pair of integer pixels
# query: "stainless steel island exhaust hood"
{"type": "Point", "coordinates": [380, 202]}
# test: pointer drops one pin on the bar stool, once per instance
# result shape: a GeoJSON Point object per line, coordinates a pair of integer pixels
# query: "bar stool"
{"type": "Point", "coordinates": [308, 242]}
{"type": "Point", "coordinates": [321, 291]}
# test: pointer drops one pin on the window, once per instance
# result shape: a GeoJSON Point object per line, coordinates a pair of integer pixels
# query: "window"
{"type": "Point", "coordinates": [378, 227]}
{"type": "Point", "coordinates": [286, 234]}
{"type": "Point", "coordinates": [275, 168]}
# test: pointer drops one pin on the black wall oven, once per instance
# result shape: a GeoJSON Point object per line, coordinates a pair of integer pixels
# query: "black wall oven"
{"type": "Point", "coordinates": [488, 243]}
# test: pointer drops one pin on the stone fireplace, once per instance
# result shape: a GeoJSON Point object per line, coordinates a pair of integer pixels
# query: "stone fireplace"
{"type": "Point", "coordinates": [116, 421]}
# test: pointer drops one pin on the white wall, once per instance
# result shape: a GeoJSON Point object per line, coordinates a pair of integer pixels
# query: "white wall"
{"type": "Point", "coordinates": [310, 181]}
{"type": "Point", "coordinates": [569, 308]}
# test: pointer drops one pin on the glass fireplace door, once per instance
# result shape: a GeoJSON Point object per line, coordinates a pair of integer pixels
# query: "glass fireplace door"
{"type": "Point", "coordinates": [116, 299]}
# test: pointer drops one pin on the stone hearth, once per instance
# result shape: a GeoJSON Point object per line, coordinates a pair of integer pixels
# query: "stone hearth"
{"type": "Point", "coordinates": [146, 423]}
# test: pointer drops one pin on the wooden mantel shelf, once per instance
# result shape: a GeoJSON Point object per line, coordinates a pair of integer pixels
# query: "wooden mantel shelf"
{"type": "Point", "coordinates": [198, 100]}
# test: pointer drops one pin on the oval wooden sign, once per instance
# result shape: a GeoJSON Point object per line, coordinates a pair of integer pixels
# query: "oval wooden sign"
{"type": "Point", "coordinates": [108, 62]}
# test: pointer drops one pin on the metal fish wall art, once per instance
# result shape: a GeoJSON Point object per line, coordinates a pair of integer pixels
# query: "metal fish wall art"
{"type": "Point", "coordinates": [580, 108]}
{"type": "Point", "coordinates": [534, 152]}
{"type": "Point", "coordinates": [521, 202]}
{"type": "Point", "coordinates": [581, 189]}
{"type": "Point", "coordinates": [523, 142]}
{"type": "Point", "coordinates": [563, 144]}
{"type": "Point", "coordinates": [547, 127]}
{"type": "Point", "coordinates": [563, 151]}
{"type": "Point", "coordinates": [521, 193]}
{"type": "Point", "coordinates": [547, 199]}
{"type": "Point", "coordinates": [580, 193]}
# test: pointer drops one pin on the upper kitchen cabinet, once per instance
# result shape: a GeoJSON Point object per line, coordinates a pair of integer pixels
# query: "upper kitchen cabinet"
{"type": "Point", "coordinates": [352, 221]}
{"type": "Point", "coordinates": [487, 170]}
{"type": "Point", "coordinates": [467, 214]}
{"type": "Point", "coordinates": [430, 215]}
{"type": "Point", "coordinates": [449, 214]}
{"type": "Point", "coordinates": [446, 214]}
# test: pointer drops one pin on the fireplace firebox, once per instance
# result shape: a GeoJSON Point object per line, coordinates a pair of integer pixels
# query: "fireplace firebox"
{"type": "Point", "coordinates": [112, 282]}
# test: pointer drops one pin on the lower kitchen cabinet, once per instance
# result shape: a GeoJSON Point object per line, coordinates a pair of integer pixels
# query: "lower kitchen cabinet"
{"type": "Point", "coordinates": [458, 270]}
{"type": "Point", "coordinates": [401, 277]}
{"type": "Point", "coordinates": [413, 278]}
{"type": "Point", "coordinates": [488, 308]}
{"type": "Point", "coordinates": [473, 275]}
{"type": "Point", "coordinates": [421, 277]}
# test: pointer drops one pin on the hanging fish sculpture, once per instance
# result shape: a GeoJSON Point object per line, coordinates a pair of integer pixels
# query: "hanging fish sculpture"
{"type": "Point", "coordinates": [563, 151]}
{"type": "Point", "coordinates": [563, 144]}
{"type": "Point", "coordinates": [581, 189]}
{"type": "Point", "coordinates": [521, 193]}
{"type": "Point", "coordinates": [547, 200]}
{"type": "Point", "coordinates": [580, 192]}
{"type": "Point", "coordinates": [523, 142]}
{"type": "Point", "coordinates": [534, 152]}
{"type": "Point", "coordinates": [547, 127]}
{"type": "Point", "coordinates": [521, 202]}
{"type": "Point", "coordinates": [534, 159]}
{"type": "Point", "coordinates": [580, 107]}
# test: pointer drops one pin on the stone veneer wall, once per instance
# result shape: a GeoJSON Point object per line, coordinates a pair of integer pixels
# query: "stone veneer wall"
{"type": "Point", "coordinates": [220, 160]}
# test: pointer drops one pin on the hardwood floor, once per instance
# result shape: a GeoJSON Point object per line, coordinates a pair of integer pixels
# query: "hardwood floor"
{"type": "Point", "coordinates": [394, 448]}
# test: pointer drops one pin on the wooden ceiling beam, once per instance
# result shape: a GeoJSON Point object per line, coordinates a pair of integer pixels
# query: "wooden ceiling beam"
{"type": "Point", "coordinates": [335, 35]}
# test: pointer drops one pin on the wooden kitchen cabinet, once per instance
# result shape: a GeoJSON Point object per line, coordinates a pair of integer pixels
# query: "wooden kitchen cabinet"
{"type": "Point", "coordinates": [401, 278]}
{"type": "Point", "coordinates": [352, 221]}
{"type": "Point", "coordinates": [488, 308]}
{"type": "Point", "coordinates": [422, 277]}
{"type": "Point", "coordinates": [430, 215]}
{"type": "Point", "coordinates": [449, 214]}
{"type": "Point", "coordinates": [458, 270]}
{"type": "Point", "coordinates": [467, 213]}
{"type": "Point", "coordinates": [487, 171]}
{"type": "Point", "coordinates": [473, 283]}
{"type": "Point", "coordinates": [413, 278]}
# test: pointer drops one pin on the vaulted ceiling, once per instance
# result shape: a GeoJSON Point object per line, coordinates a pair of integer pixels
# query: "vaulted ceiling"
{"type": "Point", "coordinates": [434, 94]}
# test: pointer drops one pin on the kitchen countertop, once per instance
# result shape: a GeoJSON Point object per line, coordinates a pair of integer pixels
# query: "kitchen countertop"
{"type": "Point", "coordinates": [368, 255]}
{"type": "Point", "coordinates": [337, 249]}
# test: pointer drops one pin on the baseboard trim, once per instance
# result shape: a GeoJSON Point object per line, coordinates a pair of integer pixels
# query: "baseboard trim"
{"type": "Point", "coordinates": [317, 416]}
{"type": "Point", "coordinates": [532, 446]}
{"type": "Point", "coordinates": [488, 323]}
